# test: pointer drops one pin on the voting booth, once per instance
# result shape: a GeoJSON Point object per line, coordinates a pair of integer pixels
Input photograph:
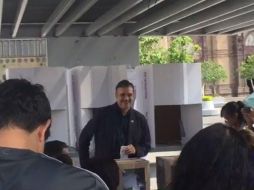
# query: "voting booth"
{"type": "Point", "coordinates": [135, 172]}
{"type": "Point", "coordinates": [169, 95]}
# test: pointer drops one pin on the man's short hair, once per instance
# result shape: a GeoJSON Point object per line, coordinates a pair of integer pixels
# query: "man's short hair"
{"type": "Point", "coordinates": [124, 84]}
{"type": "Point", "coordinates": [23, 104]}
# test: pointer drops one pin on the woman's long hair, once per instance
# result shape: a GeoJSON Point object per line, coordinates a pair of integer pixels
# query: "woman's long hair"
{"type": "Point", "coordinates": [216, 158]}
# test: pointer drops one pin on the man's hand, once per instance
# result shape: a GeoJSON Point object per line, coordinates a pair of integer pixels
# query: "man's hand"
{"type": "Point", "coordinates": [130, 149]}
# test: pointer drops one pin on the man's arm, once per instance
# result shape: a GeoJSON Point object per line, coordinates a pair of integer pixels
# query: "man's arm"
{"type": "Point", "coordinates": [84, 142]}
{"type": "Point", "coordinates": [144, 145]}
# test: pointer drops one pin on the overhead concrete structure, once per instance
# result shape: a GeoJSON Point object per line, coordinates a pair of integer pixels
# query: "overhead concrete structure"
{"type": "Point", "coordinates": [85, 18]}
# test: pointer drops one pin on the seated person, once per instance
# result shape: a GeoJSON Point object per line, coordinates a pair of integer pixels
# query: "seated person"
{"type": "Point", "coordinates": [216, 158]}
{"type": "Point", "coordinates": [59, 150]}
{"type": "Point", "coordinates": [232, 114]}
{"type": "Point", "coordinates": [25, 120]}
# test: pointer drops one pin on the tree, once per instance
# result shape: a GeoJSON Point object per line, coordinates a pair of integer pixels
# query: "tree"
{"type": "Point", "coordinates": [247, 71]}
{"type": "Point", "coordinates": [212, 73]}
{"type": "Point", "coordinates": [183, 50]}
{"type": "Point", "coordinates": [150, 51]}
{"type": "Point", "coordinates": [247, 68]}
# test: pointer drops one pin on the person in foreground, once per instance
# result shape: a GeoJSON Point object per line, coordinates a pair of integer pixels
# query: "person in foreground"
{"type": "Point", "coordinates": [25, 118]}
{"type": "Point", "coordinates": [216, 158]}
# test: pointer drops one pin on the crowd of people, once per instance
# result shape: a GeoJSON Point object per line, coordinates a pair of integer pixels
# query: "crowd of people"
{"type": "Point", "coordinates": [219, 157]}
{"type": "Point", "coordinates": [25, 122]}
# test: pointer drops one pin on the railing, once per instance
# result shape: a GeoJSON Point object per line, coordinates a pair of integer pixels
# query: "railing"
{"type": "Point", "coordinates": [17, 48]}
{"type": "Point", "coordinates": [22, 53]}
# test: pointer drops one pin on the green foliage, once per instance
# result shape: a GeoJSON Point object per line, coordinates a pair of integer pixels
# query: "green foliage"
{"type": "Point", "coordinates": [207, 98]}
{"type": "Point", "coordinates": [150, 52]}
{"type": "Point", "coordinates": [212, 72]}
{"type": "Point", "coordinates": [183, 50]}
{"type": "Point", "coordinates": [247, 68]}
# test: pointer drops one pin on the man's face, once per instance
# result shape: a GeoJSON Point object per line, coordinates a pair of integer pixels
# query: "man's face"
{"type": "Point", "coordinates": [125, 97]}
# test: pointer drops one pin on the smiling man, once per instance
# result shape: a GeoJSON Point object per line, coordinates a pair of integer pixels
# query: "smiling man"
{"type": "Point", "coordinates": [116, 127]}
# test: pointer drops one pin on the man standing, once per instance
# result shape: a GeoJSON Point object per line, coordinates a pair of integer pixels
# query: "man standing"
{"type": "Point", "coordinates": [25, 118]}
{"type": "Point", "coordinates": [116, 126]}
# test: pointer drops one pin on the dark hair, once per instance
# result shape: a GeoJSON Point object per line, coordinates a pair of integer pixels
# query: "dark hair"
{"type": "Point", "coordinates": [124, 84]}
{"type": "Point", "coordinates": [54, 148]}
{"type": "Point", "coordinates": [216, 158]}
{"type": "Point", "coordinates": [65, 158]}
{"type": "Point", "coordinates": [232, 108]}
{"type": "Point", "coordinates": [23, 104]}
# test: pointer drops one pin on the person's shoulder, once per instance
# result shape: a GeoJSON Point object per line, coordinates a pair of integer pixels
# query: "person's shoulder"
{"type": "Point", "coordinates": [79, 178]}
{"type": "Point", "coordinates": [138, 114]}
{"type": "Point", "coordinates": [108, 107]}
{"type": "Point", "coordinates": [69, 177]}
{"type": "Point", "coordinates": [139, 117]}
{"type": "Point", "coordinates": [99, 112]}
{"type": "Point", "coordinates": [46, 163]}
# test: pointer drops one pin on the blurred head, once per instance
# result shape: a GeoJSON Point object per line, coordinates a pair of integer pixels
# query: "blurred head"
{"type": "Point", "coordinates": [125, 95]}
{"type": "Point", "coordinates": [24, 110]}
{"type": "Point", "coordinates": [58, 150]}
{"type": "Point", "coordinates": [65, 158]}
{"type": "Point", "coordinates": [54, 148]}
{"type": "Point", "coordinates": [216, 158]}
{"type": "Point", "coordinates": [231, 112]}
